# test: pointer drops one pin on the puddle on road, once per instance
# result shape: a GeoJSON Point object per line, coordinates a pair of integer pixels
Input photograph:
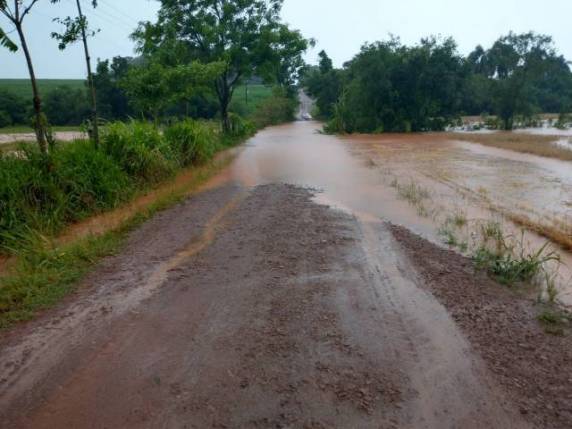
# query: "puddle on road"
{"type": "Point", "coordinates": [418, 181]}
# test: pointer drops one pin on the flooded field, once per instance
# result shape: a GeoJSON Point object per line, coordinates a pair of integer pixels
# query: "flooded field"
{"type": "Point", "coordinates": [451, 192]}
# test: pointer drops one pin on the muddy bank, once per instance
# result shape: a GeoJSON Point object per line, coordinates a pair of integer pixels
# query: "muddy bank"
{"type": "Point", "coordinates": [502, 326]}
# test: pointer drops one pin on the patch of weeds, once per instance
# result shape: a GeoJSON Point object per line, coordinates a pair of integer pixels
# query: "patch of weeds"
{"type": "Point", "coordinates": [448, 235]}
{"type": "Point", "coordinates": [45, 272]}
{"type": "Point", "coordinates": [422, 210]}
{"type": "Point", "coordinates": [413, 193]}
{"type": "Point", "coordinates": [459, 219]}
{"type": "Point", "coordinates": [492, 230]}
{"type": "Point", "coordinates": [510, 267]}
{"type": "Point", "coordinates": [464, 247]}
{"type": "Point", "coordinates": [550, 286]}
{"type": "Point", "coordinates": [554, 320]}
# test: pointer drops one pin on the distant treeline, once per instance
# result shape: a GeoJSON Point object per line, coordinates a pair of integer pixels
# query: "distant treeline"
{"type": "Point", "coordinates": [68, 104]}
{"type": "Point", "coordinates": [388, 86]}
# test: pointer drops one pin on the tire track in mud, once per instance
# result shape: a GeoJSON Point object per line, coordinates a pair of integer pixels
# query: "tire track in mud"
{"type": "Point", "coordinates": [449, 386]}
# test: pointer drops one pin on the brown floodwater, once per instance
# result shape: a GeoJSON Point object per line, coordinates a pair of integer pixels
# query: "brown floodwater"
{"type": "Point", "coordinates": [369, 176]}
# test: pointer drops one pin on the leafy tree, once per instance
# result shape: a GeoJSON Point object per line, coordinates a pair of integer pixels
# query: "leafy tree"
{"type": "Point", "coordinates": [76, 28]}
{"type": "Point", "coordinates": [526, 76]}
{"type": "Point", "coordinates": [323, 83]}
{"type": "Point", "coordinates": [16, 11]}
{"type": "Point", "coordinates": [326, 65]}
{"type": "Point", "coordinates": [246, 35]}
{"type": "Point", "coordinates": [391, 87]}
{"type": "Point", "coordinates": [153, 87]}
{"type": "Point", "coordinates": [67, 106]}
{"type": "Point", "coordinates": [112, 100]}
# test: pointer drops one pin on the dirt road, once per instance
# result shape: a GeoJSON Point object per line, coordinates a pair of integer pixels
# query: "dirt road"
{"type": "Point", "coordinates": [30, 137]}
{"type": "Point", "coordinates": [252, 305]}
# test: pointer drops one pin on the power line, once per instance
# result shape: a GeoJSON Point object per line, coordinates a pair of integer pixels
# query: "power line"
{"type": "Point", "coordinates": [118, 11]}
{"type": "Point", "coordinates": [118, 20]}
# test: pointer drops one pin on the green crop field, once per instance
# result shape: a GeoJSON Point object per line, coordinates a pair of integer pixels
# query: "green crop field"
{"type": "Point", "coordinates": [23, 88]}
{"type": "Point", "coordinates": [246, 104]}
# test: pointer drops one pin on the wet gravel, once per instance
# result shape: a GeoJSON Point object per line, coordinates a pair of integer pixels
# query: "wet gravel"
{"type": "Point", "coordinates": [502, 325]}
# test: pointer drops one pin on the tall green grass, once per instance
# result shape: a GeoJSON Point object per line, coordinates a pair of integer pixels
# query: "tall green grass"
{"type": "Point", "coordinates": [40, 194]}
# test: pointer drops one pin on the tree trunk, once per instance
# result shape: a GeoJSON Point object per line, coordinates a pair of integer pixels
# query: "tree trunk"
{"type": "Point", "coordinates": [224, 117]}
{"type": "Point", "coordinates": [91, 83]}
{"type": "Point", "coordinates": [39, 120]}
{"type": "Point", "coordinates": [224, 97]}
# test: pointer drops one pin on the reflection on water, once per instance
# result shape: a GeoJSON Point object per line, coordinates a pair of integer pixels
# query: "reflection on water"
{"type": "Point", "coordinates": [374, 177]}
{"type": "Point", "coordinates": [547, 131]}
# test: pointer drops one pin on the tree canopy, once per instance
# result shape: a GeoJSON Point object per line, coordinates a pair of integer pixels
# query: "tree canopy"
{"type": "Point", "coordinates": [388, 86]}
{"type": "Point", "coordinates": [247, 35]}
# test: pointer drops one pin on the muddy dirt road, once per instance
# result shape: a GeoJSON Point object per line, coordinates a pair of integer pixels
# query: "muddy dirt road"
{"type": "Point", "coordinates": [253, 304]}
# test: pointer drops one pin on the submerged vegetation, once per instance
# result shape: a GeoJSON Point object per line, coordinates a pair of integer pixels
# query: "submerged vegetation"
{"type": "Point", "coordinates": [509, 263]}
{"type": "Point", "coordinates": [505, 257]}
{"type": "Point", "coordinates": [414, 194]}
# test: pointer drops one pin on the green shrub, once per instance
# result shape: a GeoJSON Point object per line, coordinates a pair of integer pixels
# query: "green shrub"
{"type": "Point", "coordinates": [240, 127]}
{"type": "Point", "coordinates": [192, 142]}
{"type": "Point", "coordinates": [275, 110]}
{"type": "Point", "coordinates": [41, 194]}
{"type": "Point", "coordinates": [140, 150]}
{"type": "Point", "coordinates": [90, 180]}
{"type": "Point", "coordinates": [29, 194]}
{"type": "Point", "coordinates": [44, 194]}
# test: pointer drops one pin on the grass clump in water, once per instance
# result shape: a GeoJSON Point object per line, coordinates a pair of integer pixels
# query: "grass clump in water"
{"type": "Point", "coordinates": [414, 194]}
{"type": "Point", "coordinates": [509, 266]}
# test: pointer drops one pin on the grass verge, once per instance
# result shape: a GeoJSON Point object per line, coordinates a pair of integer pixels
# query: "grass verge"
{"type": "Point", "coordinates": [46, 270]}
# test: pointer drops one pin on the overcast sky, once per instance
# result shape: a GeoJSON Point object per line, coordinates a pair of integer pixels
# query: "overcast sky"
{"type": "Point", "coordinates": [339, 26]}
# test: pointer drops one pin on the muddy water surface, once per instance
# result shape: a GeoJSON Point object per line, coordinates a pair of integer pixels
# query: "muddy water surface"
{"type": "Point", "coordinates": [380, 176]}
